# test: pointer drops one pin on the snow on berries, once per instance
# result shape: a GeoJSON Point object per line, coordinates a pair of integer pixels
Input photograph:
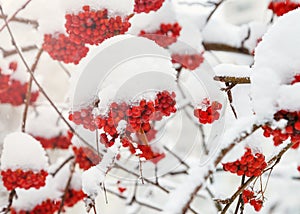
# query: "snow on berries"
{"type": "Point", "coordinates": [61, 48]}
{"type": "Point", "coordinates": [146, 6]}
{"type": "Point", "coordinates": [53, 134]}
{"type": "Point", "coordinates": [166, 34]}
{"type": "Point", "coordinates": [282, 7]}
{"type": "Point", "coordinates": [13, 87]}
{"type": "Point", "coordinates": [92, 27]}
{"type": "Point", "coordinates": [188, 61]}
{"type": "Point", "coordinates": [249, 164]}
{"type": "Point", "coordinates": [208, 111]}
{"type": "Point", "coordinates": [26, 166]}
{"type": "Point", "coordinates": [46, 207]}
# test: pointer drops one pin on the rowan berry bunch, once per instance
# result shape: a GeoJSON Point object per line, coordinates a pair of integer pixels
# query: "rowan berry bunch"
{"type": "Point", "coordinates": [145, 6]}
{"type": "Point", "coordinates": [73, 196]}
{"type": "Point", "coordinates": [46, 207]}
{"type": "Point", "coordinates": [248, 196]}
{"type": "Point", "coordinates": [84, 117]}
{"type": "Point", "coordinates": [292, 128]}
{"type": "Point", "coordinates": [23, 179]}
{"type": "Point", "coordinates": [85, 157]}
{"type": "Point", "coordinates": [58, 142]}
{"type": "Point", "coordinates": [208, 112]}
{"type": "Point", "coordinates": [188, 61]}
{"type": "Point", "coordinates": [165, 36]}
{"type": "Point", "coordinates": [61, 48]}
{"type": "Point", "coordinates": [12, 91]}
{"type": "Point", "coordinates": [282, 7]}
{"type": "Point", "coordinates": [94, 26]}
{"type": "Point", "coordinates": [249, 164]}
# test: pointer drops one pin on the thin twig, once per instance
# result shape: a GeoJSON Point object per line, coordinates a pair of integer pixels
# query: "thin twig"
{"type": "Point", "coordinates": [29, 88]}
{"type": "Point", "coordinates": [217, 5]}
{"type": "Point", "coordinates": [62, 165]}
{"type": "Point", "coordinates": [7, 53]}
{"type": "Point", "coordinates": [234, 80]}
{"type": "Point", "coordinates": [240, 200]}
{"type": "Point", "coordinates": [64, 69]}
{"type": "Point", "coordinates": [227, 48]}
{"type": "Point", "coordinates": [11, 197]}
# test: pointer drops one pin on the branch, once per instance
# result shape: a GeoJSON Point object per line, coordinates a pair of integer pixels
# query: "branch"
{"type": "Point", "coordinates": [227, 48]}
{"type": "Point", "coordinates": [234, 80]}
{"type": "Point", "coordinates": [217, 5]}
{"type": "Point", "coordinates": [11, 196]}
{"type": "Point", "coordinates": [7, 53]}
{"type": "Point", "coordinates": [29, 87]}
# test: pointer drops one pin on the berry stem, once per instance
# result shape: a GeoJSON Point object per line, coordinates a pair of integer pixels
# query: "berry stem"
{"type": "Point", "coordinates": [11, 197]}
{"type": "Point", "coordinates": [240, 200]}
{"type": "Point", "coordinates": [7, 53]}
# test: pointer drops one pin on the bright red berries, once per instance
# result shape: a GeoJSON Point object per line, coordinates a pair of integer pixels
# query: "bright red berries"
{"type": "Point", "coordinates": [208, 113]}
{"type": "Point", "coordinates": [282, 7]}
{"type": "Point", "coordinates": [249, 164]}
{"type": "Point", "coordinates": [165, 36]}
{"type": "Point", "coordinates": [23, 179]}
{"type": "Point", "coordinates": [61, 48]}
{"type": "Point", "coordinates": [84, 117]}
{"type": "Point", "coordinates": [59, 142]}
{"type": "Point", "coordinates": [85, 157]}
{"type": "Point", "coordinates": [13, 91]}
{"type": "Point", "coordinates": [291, 130]}
{"type": "Point", "coordinates": [94, 26]}
{"type": "Point", "coordinates": [188, 61]}
{"type": "Point", "coordinates": [146, 6]}
{"type": "Point", "coordinates": [249, 197]}
{"type": "Point", "coordinates": [296, 79]}
{"type": "Point", "coordinates": [46, 207]}
{"type": "Point", "coordinates": [73, 196]}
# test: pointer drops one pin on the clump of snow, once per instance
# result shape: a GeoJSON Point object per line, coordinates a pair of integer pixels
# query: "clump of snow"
{"type": "Point", "coordinates": [21, 151]}
{"type": "Point", "coordinates": [151, 22]}
{"type": "Point", "coordinates": [257, 30]}
{"type": "Point", "coordinates": [217, 31]}
{"type": "Point", "coordinates": [276, 62]}
{"type": "Point", "coordinates": [230, 70]}
{"type": "Point", "coordinates": [45, 122]}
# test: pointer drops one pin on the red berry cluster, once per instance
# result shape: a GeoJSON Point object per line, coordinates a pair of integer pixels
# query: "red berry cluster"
{"type": "Point", "coordinates": [85, 157]}
{"type": "Point", "coordinates": [147, 153]}
{"type": "Point", "coordinates": [249, 164]}
{"type": "Point", "coordinates": [165, 36]}
{"type": "Point", "coordinates": [292, 129]}
{"type": "Point", "coordinates": [73, 196]}
{"type": "Point", "coordinates": [249, 197]}
{"type": "Point", "coordinates": [46, 207]}
{"type": "Point", "coordinates": [59, 142]}
{"type": "Point", "coordinates": [296, 79]}
{"type": "Point", "coordinates": [146, 6]}
{"type": "Point", "coordinates": [189, 61]}
{"type": "Point", "coordinates": [84, 117]}
{"type": "Point", "coordinates": [13, 91]}
{"type": "Point", "coordinates": [208, 113]}
{"type": "Point", "coordinates": [282, 7]}
{"type": "Point", "coordinates": [23, 179]}
{"type": "Point", "coordinates": [61, 48]}
{"type": "Point", "coordinates": [93, 27]}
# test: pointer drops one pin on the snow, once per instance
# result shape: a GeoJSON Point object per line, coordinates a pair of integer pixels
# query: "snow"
{"type": "Point", "coordinates": [276, 62]}
{"type": "Point", "coordinates": [45, 122]}
{"type": "Point", "coordinates": [151, 22]}
{"type": "Point", "coordinates": [230, 70]}
{"type": "Point", "coordinates": [217, 31]}
{"type": "Point", "coordinates": [21, 151]}
{"type": "Point", "coordinates": [257, 30]}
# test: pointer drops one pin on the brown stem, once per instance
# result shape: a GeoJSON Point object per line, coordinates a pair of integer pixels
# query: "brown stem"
{"type": "Point", "coordinates": [227, 48]}
{"type": "Point", "coordinates": [233, 80]}
{"type": "Point", "coordinates": [62, 165]}
{"type": "Point", "coordinates": [11, 197]}
{"type": "Point", "coordinates": [7, 53]}
{"type": "Point", "coordinates": [63, 199]}
{"type": "Point", "coordinates": [240, 197]}
{"type": "Point", "coordinates": [29, 87]}
{"type": "Point", "coordinates": [217, 5]}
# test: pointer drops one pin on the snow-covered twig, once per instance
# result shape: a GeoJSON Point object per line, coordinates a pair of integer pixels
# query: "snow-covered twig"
{"type": "Point", "coordinates": [7, 53]}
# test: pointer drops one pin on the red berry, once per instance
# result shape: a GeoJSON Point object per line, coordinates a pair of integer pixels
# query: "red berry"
{"type": "Point", "coordinates": [146, 6]}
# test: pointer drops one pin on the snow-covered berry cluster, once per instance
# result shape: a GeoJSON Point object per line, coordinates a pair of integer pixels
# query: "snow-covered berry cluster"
{"type": "Point", "coordinates": [282, 7]}
{"type": "Point", "coordinates": [249, 164]}
{"type": "Point", "coordinates": [61, 48]}
{"type": "Point", "coordinates": [248, 196]}
{"type": "Point", "coordinates": [165, 36]}
{"type": "Point", "coordinates": [145, 6]}
{"type": "Point", "coordinates": [85, 157]}
{"type": "Point", "coordinates": [291, 128]}
{"type": "Point", "coordinates": [73, 196]}
{"type": "Point", "coordinates": [23, 179]}
{"type": "Point", "coordinates": [94, 26]}
{"type": "Point", "coordinates": [13, 91]}
{"type": "Point", "coordinates": [46, 207]}
{"type": "Point", "coordinates": [188, 61]}
{"type": "Point", "coordinates": [208, 112]}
